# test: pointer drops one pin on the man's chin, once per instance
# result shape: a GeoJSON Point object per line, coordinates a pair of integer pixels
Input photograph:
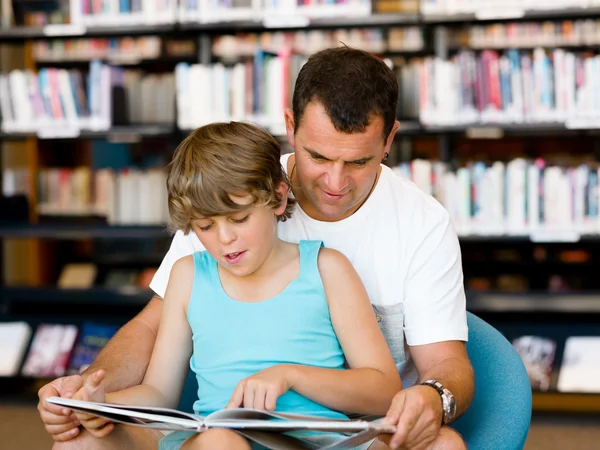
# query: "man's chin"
{"type": "Point", "coordinates": [333, 214]}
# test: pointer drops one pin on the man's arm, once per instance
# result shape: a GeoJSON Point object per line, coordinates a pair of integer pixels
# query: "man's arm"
{"type": "Point", "coordinates": [125, 357]}
{"type": "Point", "coordinates": [435, 326]}
{"type": "Point", "coordinates": [448, 363]}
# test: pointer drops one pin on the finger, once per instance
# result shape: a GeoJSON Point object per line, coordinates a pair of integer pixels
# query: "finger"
{"type": "Point", "coordinates": [94, 423]}
{"type": "Point", "coordinates": [237, 397]}
{"type": "Point", "coordinates": [408, 420]}
{"type": "Point", "coordinates": [53, 419]}
{"type": "Point", "coordinates": [102, 432]}
{"type": "Point", "coordinates": [70, 385]}
{"type": "Point", "coordinates": [259, 397]}
{"type": "Point", "coordinates": [248, 396]}
{"type": "Point", "coordinates": [84, 417]}
{"type": "Point", "coordinates": [67, 435]}
{"type": "Point", "coordinates": [47, 392]}
{"type": "Point", "coordinates": [94, 380]}
{"type": "Point", "coordinates": [422, 434]}
{"type": "Point", "coordinates": [59, 429]}
{"type": "Point", "coordinates": [271, 400]}
{"type": "Point", "coordinates": [393, 415]}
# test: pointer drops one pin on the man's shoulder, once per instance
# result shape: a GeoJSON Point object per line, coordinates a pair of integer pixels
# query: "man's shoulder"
{"type": "Point", "coordinates": [408, 202]}
{"type": "Point", "coordinates": [186, 244]}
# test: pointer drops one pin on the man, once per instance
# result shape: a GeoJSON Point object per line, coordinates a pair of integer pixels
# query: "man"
{"type": "Point", "coordinates": [399, 239]}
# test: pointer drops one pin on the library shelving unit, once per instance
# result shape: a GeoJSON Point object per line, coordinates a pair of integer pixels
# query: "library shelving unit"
{"type": "Point", "coordinates": [527, 283]}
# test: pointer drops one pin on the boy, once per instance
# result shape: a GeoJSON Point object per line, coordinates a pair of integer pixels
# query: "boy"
{"type": "Point", "coordinates": [268, 324]}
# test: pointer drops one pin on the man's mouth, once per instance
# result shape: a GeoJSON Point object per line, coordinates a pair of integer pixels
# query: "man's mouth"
{"type": "Point", "coordinates": [334, 196]}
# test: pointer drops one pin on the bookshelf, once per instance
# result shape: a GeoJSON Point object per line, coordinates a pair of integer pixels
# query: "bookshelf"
{"type": "Point", "coordinates": [437, 36]}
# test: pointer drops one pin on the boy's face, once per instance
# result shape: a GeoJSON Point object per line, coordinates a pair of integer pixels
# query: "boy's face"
{"type": "Point", "coordinates": [240, 242]}
{"type": "Point", "coordinates": [335, 171]}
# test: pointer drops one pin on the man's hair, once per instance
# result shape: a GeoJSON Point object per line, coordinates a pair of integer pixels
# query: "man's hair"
{"type": "Point", "coordinates": [217, 161]}
{"type": "Point", "coordinates": [352, 85]}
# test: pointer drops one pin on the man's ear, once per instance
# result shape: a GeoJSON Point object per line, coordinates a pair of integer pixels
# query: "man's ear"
{"type": "Point", "coordinates": [390, 138]}
{"type": "Point", "coordinates": [290, 126]}
{"type": "Point", "coordinates": [282, 193]}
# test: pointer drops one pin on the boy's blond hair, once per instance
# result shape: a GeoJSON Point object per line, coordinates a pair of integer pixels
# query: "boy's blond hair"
{"type": "Point", "coordinates": [217, 161]}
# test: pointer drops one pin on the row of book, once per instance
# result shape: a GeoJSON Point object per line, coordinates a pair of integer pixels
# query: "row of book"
{"type": "Point", "coordinates": [258, 90]}
{"type": "Point", "coordinates": [60, 102]}
{"type": "Point", "coordinates": [129, 196]}
{"type": "Point", "coordinates": [485, 9]}
{"type": "Point", "coordinates": [118, 50]}
{"type": "Point", "coordinates": [55, 349]}
{"type": "Point", "coordinates": [520, 197]}
{"type": "Point", "coordinates": [374, 40]}
{"type": "Point", "coordinates": [576, 371]}
{"type": "Point", "coordinates": [88, 275]}
{"type": "Point", "coordinates": [531, 34]}
{"type": "Point", "coordinates": [88, 12]}
{"type": "Point", "coordinates": [511, 87]}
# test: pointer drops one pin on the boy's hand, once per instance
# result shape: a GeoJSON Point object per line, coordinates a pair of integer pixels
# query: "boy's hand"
{"type": "Point", "coordinates": [261, 390]}
{"type": "Point", "coordinates": [93, 391]}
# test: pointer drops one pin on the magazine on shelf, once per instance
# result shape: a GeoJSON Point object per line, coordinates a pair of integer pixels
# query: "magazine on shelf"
{"type": "Point", "coordinates": [263, 427]}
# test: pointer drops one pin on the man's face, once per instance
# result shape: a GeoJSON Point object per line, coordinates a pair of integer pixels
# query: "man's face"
{"type": "Point", "coordinates": [335, 171]}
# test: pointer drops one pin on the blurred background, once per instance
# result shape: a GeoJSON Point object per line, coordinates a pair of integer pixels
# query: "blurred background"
{"type": "Point", "coordinates": [500, 112]}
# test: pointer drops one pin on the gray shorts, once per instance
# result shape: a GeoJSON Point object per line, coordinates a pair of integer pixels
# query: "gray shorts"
{"type": "Point", "coordinates": [174, 441]}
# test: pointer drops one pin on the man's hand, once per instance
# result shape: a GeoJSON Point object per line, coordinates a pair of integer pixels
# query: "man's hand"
{"type": "Point", "coordinates": [261, 390]}
{"type": "Point", "coordinates": [417, 414]}
{"type": "Point", "coordinates": [93, 391]}
{"type": "Point", "coordinates": [61, 423]}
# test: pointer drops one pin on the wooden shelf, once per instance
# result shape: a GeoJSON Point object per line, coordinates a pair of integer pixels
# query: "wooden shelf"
{"type": "Point", "coordinates": [511, 14]}
{"type": "Point", "coordinates": [94, 295]}
{"type": "Point", "coordinates": [21, 33]}
{"type": "Point", "coordinates": [533, 302]}
{"type": "Point", "coordinates": [82, 231]}
{"type": "Point", "coordinates": [119, 133]}
{"type": "Point", "coordinates": [566, 402]}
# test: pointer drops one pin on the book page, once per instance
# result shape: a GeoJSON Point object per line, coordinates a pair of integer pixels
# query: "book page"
{"type": "Point", "coordinates": [159, 418]}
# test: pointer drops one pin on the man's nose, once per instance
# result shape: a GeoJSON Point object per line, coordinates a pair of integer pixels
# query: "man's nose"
{"type": "Point", "coordinates": [336, 178]}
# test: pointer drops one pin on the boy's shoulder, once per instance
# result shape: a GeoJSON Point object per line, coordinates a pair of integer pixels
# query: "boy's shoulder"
{"type": "Point", "coordinates": [331, 260]}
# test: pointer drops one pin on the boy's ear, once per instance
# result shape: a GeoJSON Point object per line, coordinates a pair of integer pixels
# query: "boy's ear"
{"type": "Point", "coordinates": [282, 193]}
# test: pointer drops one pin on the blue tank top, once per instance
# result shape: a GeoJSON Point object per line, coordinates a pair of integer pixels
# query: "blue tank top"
{"type": "Point", "coordinates": [233, 340]}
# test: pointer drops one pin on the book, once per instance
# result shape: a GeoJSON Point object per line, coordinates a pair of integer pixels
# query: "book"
{"type": "Point", "coordinates": [14, 338]}
{"type": "Point", "coordinates": [50, 351]}
{"type": "Point", "coordinates": [263, 427]}
{"type": "Point", "coordinates": [92, 339]}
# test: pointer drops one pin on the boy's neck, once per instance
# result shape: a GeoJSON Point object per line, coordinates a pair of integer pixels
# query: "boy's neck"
{"type": "Point", "coordinates": [271, 278]}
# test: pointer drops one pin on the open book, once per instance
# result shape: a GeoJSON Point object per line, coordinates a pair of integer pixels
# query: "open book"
{"type": "Point", "coordinates": [263, 427]}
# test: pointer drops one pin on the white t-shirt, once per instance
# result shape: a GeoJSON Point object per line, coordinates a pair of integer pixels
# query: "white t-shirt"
{"type": "Point", "coordinates": [406, 251]}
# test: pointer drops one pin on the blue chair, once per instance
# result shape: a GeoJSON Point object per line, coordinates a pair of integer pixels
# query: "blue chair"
{"type": "Point", "coordinates": [189, 394]}
{"type": "Point", "coordinates": [500, 414]}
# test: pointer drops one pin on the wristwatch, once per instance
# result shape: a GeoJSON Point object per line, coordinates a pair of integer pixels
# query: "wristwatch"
{"type": "Point", "coordinates": [448, 400]}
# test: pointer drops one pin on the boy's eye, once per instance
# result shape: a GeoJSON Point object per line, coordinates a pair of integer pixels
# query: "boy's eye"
{"type": "Point", "coordinates": [206, 228]}
{"type": "Point", "coordinates": [241, 220]}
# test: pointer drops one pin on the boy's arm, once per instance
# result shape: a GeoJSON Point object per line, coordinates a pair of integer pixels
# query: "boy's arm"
{"type": "Point", "coordinates": [373, 379]}
{"type": "Point", "coordinates": [168, 366]}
